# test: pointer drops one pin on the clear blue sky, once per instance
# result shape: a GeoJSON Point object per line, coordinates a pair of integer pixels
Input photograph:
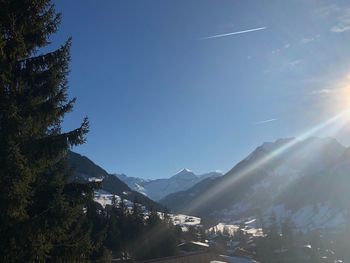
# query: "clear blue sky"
{"type": "Point", "coordinates": [161, 97]}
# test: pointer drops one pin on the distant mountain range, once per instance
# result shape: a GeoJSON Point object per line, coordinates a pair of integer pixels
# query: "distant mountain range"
{"type": "Point", "coordinates": [307, 181]}
{"type": "Point", "coordinates": [160, 188]}
{"type": "Point", "coordinates": [86, 170]}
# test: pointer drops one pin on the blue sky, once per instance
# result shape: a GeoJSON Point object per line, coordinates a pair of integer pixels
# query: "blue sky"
{"type": "Point", "coordinates": [161, 96]}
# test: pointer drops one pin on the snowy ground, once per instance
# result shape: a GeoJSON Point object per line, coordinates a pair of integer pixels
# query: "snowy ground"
{"type": "Point", "coordinates": [249, 226]}
{"type": "Point", "coordinates": [184, 221]}
{"type": "Point", "coordinates": [311, 217]}
{"type": "Point", "coordinates": [105, 198]}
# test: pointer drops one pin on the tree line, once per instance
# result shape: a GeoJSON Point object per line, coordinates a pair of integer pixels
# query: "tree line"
{"type": "Point", "coordinates": [285, 243]}
{"type": "Point", "coordinates": [123, 233]}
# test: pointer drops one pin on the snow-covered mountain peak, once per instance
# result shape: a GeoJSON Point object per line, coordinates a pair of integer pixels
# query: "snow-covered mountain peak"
{"type": "Point", "coordinates": [184, 174]}
{"type": "Point", "coordinates": [184, 170]}
{"type": "Point", "coordinates": [306, 179]}
{"type": "Point", "coordinates": [159, 188]}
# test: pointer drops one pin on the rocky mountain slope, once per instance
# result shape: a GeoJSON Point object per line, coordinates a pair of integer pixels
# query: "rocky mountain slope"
{"type": "Point", "coordinates": [307, 181]}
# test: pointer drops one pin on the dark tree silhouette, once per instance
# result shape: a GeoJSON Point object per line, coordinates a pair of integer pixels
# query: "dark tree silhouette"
{"type": "Point", "coordinates": [41, 211]}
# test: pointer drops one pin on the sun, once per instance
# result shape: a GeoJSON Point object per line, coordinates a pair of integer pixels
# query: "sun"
{"type": "Point", "coordinates": [337, 97]}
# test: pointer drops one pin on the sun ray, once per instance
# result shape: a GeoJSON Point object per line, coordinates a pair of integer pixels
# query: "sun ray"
{"type": "Point", "coordinates": [225, 184]}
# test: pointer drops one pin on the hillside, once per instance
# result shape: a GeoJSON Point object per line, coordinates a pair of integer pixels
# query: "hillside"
{"type": "Point", "coordinates": [306, 180]}
{"type": "Point", "coordinates": [84, 169]}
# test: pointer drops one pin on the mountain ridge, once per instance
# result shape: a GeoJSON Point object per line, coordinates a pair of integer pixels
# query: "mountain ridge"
{"type": "Point", "coordinates": [159, 188]}
{"type": "Point", "coordinates": [288, 176]}
{"type": "Point", "coordinates": [86, 170]}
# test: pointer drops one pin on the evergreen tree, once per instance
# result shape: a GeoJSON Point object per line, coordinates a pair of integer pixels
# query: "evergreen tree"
{"type": "Point", "coordinates": [41, 210]}
{"type": "Point", "coordinates": [288, 240]}
{"type": "Point", "coordinates": [158, 239]}
{"type": "Point", "coordinates": [123, 221]}
{"type": "Point", "coordinates": [274, 234]}
{"type": "Point", "coordinates": [113, 239]}
{"type": "Point", "coordinates": [137, 219]}
{"type": "Point", "coordinates": [269, 248]}
{"type": "Point", "coordinates": [287, 234]}
{"type": "Point", "coordinates": [242, 236]}
{"type": "Point", "coordinates": [263, 250]}
{"type": "Point", "coordinates": [97, 221]}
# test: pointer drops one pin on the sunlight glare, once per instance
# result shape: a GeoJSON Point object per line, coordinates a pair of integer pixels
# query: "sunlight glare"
{"type": "Point", "coordinates": [225, 184]}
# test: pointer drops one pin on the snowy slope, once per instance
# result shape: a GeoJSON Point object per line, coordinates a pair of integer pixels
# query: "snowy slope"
{"type": "Point", "coordinates": [86, 170]}
{"type": "Point", "coordinates": [308, 182]}
{"type": "Point", "coordinates": [134, 183]}
{"type": "Point", "coordinates": [105, 198]}
{"type": "Point", "coordinates": [159, 188]}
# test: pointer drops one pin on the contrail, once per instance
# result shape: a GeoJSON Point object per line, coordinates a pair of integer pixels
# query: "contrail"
{"type": "Point", "coordinates": [236, 33]}
{"type": "Point", "coordinates": [263, 122]}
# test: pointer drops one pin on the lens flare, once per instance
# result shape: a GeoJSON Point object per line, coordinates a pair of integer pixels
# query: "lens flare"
{"type": "Point", "coordinates": [225, 184]}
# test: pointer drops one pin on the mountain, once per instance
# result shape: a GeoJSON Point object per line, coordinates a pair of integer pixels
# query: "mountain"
{"type": "Point", "coordinates": [305, 180]}
{"type": "Point", "coordinates": [86, 170]}
{"type": "Point", "coordinates": [159, 188]}
{"type": "Point", "coordinates": [134, 183]}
